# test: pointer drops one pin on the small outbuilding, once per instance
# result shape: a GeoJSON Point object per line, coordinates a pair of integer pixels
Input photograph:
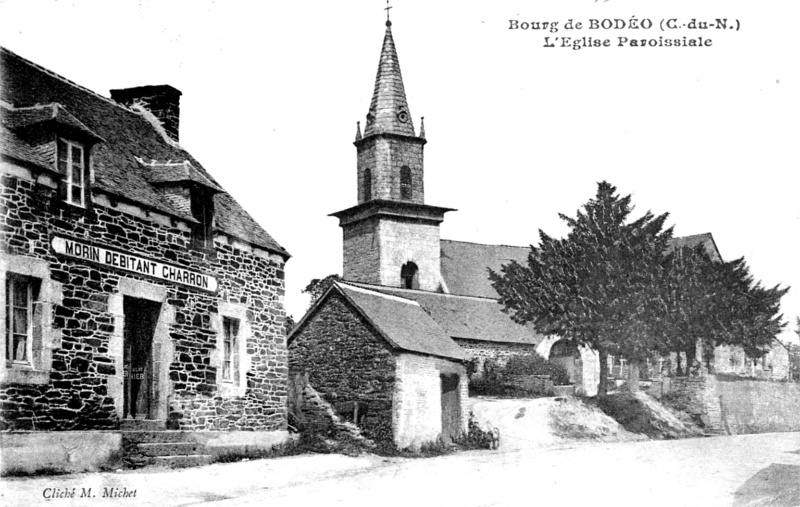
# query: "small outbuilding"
{"type": "Point", "coordinates": [382, 362]}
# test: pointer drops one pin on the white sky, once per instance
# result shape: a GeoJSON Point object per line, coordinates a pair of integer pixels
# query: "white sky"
{"type": "Point", "coordinates": [516, 133]}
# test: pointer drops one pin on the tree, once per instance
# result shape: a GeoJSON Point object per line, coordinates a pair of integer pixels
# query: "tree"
{"type": "Point", "coordinates": [716, 303]}
{"type": "Point", "coordinates": [690, 294]}
{"type": "Point", "coordinates": [599, 286]}
{"type": "Point", "coordinates": [288, 324]}
{"type": "Point", "coordinates": [318, 286]}
{"type": "Point", "coordinates": [750, 313]}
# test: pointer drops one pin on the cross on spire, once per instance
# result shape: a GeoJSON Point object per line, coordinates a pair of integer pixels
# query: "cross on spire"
{"type": "Point", "coordinates": [388, 22]}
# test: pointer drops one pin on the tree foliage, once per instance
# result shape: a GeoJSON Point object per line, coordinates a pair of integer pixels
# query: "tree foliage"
{"type": "Point", "coordinates": [599, 285]}
{"type": "Point", "coordinates": [614, 285]}
{"type": "Point", "coordinates": [318, 286]}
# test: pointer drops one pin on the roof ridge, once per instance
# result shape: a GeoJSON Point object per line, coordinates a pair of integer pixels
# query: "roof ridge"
{"type": "Point", "coordinates": [419, 291]}
{"type": "Point", "coordinates": [379, 294]}
{"type": "Point", "coordinates": [482, 244]}
{"type": "Point", "coordinates": [68, 81]}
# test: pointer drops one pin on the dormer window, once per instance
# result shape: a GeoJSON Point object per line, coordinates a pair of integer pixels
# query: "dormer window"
{"type": "Point", "coordinates": [405, 183]}
{"type": "Point", "coordinates": [71, 158]}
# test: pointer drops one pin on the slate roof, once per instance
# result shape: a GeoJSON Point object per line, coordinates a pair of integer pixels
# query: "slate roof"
{"type": "Point", "coordinates": [389, 96]}
{"type": "Point", "coordinates": [401, 322]}
{"type": "Point", "coordinates": [466, 317]}
{"type": "Point", "coordinates": [465, 266]}
{"type": "Point", "coordinates": [127, 134]}
{"type": "Point", "coordinates": [12, 145]}
{"type": "Point", "coordinates": [706, 239]}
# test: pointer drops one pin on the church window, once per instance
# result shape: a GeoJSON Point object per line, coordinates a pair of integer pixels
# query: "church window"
{"type": "Point", "coordinates": [409, 276]}
{"type": "Point", "coordinates": [71, 163]}
{"type": "Point", "coordinates": [367, 184]}
{"type": "Point", "coordinates": [405, 183]}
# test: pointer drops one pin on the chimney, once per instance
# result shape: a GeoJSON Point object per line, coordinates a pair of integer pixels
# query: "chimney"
{"type": "Point", "coordinates": [161, 100]}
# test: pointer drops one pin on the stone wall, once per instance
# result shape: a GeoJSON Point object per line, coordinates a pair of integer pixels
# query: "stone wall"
{"type": "Point", "coordinates": [499, 352]}
{"type": "Point", "coordinates": [406, 240]}
{"type": "Point", "coordinates": [753, 406]}
{"type": "Point", "coordinates": [360, 256]}
{"type": "Point", "coordinates": [346, 362]}
{"type": "Point", "coordinates": [738, 406]}
{"type": "Point", "coordinates": [384, 155]}
{"type": "Point", "coordinates": [418, 406]}
{"type": "Point", "coordinates": [82, 389]}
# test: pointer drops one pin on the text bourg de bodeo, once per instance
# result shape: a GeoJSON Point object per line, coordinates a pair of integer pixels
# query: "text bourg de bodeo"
{"type": "Point", "coordinates": [633, 23]}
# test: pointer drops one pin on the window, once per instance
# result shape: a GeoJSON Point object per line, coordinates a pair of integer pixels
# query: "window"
{"type": "Point", "coordinates": [367, 184]}
{"type": "Point", "coordinates": [408, 276]}
{"type": "Point", "coordinates": [71, 163]}
{"type": "Point", "coordinates": [405, 183]}
{"type": "Point", "coordinates": [19, 319]}
{"type": "Point", "coordinates": [230, 352]}
{"type": "Point", "coordinates": [203, 211]}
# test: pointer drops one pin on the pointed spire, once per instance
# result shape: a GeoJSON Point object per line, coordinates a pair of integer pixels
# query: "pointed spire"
{"type": "Point", "coordinates": [422, 127]}
{"type": "Point", "coordinates": [358, 131]}
{"type": "Point", "coordinates": [388, 111]}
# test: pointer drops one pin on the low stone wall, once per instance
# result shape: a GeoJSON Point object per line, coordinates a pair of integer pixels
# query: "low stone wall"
{"type": "Point", "coordinates": [752, 406]}
{"type": "Point", "coordinates": [223, 442]}
{"type": "Point", "coordinates": [738, 406]}
{"type": "Point", "coordinates": [30, 452]}
{"type": "Point", "coordinates": [498, 352]}
{"type": "Point", "coordinates": [536, 384]}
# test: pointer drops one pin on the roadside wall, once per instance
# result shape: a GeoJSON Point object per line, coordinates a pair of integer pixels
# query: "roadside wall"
{"type": "Point", "coordinates": [739, 406]}
{"type": "Point", "coordinates": [62, 451]}
{"type": "Point", "coordinates": [752, 406]}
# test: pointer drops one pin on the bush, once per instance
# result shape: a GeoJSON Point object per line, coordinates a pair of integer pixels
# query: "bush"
{"type": "Point", "coordinates": [495, 380]}
{"type": "Point", "coordinates": [534, 364]}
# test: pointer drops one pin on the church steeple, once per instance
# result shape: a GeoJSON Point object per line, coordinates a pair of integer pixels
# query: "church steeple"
{"type": "Point", "coordinates": [388, 111]}
{"type": "Point", "coordinates": [391, 237]}
{"type": "Point", "coordinates": [390, 154]}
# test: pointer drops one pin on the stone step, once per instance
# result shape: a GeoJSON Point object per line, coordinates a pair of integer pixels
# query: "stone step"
{"type": "Point", "coordinates": [142, 425]}
{"type": "Point", "coordinates": [159, 437]}
{"type": "Point", "coordinates": [194, 460]}
{"type": "Point", "coordinates": [170, 449]}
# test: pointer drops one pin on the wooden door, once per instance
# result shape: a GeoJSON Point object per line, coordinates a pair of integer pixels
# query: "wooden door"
{"type": "Point", "coordinates": [141, 317]}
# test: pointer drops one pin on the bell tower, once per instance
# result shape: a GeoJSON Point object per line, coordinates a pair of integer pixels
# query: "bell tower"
{"type": "Point", "coordinates": [391, 237]}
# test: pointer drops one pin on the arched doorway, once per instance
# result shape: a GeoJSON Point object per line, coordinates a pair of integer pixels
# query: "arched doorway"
{"type": "Point", "coordinates": [566, 353]}
{"type": "Point", "coordinates": [409, 276]}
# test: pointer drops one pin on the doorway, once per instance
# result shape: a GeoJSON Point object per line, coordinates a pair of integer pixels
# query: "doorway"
{"type": "Point", "coordinates": [139, 387]}
{"type": "Point", "coordinates": [451, 407]}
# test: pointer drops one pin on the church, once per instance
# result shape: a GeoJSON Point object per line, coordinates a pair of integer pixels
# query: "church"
{"type": "Point", "coordinates": [413, 308]}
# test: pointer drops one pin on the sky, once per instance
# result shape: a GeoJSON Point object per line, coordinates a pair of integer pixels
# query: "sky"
{"type": "Point", "coordinates": [517, 132]}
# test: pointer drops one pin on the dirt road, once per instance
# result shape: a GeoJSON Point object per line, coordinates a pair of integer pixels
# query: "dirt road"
{"type": "Point", "coordinates": [719, 471]}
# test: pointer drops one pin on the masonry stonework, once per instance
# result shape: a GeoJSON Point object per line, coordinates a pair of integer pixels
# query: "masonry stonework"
{"type": "Point", "coordinates": [361, 259]}
{"type": "Point", "coordinates": [86, 364]}
{"type": "Point", "coordinates": [385, 156]}
{"type": "Point", "coordinates": [345, 361]}
{"type": "Point", "coordinates": [496, 351]}
{"type": "Point", "coordinates": [402, 241]}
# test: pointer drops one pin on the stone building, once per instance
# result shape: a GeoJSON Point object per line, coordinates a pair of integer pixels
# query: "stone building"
{"type": "Point", "coordinates": [137, 293]}
{"type": "Point", "coordinates": [383, 363]}
{"type": "Point", "coordinates": [392, 246]}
